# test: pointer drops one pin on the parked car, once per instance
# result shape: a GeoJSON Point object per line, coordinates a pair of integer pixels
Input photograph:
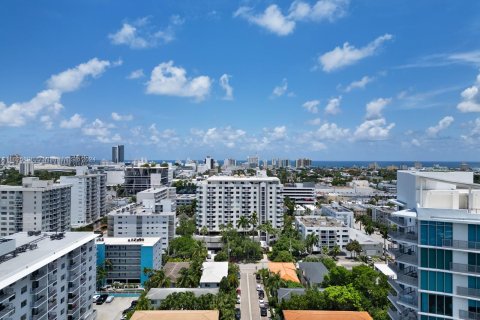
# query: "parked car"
{"type": "Point", "coordinates": [109, 299]}
{"type": "Point", "coordinates": [95, 297]}
{"type": "Point", "coordinates": [263, 312]}
{"type": "Point", "coordinates": [259, 287]}
{"type": "Point", "coordinates": [239, 300]}
{"type": "Point", "coordinates": [102, 299]}
{"type": "Point", "coordinates": [124, 312]}
{"type": "Point", "coordinates": [238, 314]}
{"type": "Point", "coordinates": [134, 303]}
{"type": "Point", "coordinates": [261, 303]}
{"type": "Point", "coordinates": [257, 276]}
{"type": "Point", "coordinates": [261, 295]}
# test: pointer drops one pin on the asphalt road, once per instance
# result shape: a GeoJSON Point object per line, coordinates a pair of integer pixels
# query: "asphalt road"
{"type": "Point", "coordinates": [249, 307]}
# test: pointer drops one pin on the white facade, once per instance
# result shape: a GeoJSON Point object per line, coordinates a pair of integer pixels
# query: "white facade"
{"type": "Point", "coordinates": [166, 196]}
{"type": "Point", "coordinates": [27, 168]}
{"type": "Point", "coordinates": [339, 212]}
{"type": "Point", "coordinates": [330, 231]}
{"type": "Point", "coordinates": [300, 193]}
{"type": "Point", "coordinates": [436, 246]}
{"type": "Point", "coordinates": [213, 273]}
{"type": "Point", "coordinates": [222, 200]}
{"type": "Point", "coordinates": [88, 197]}
{"type": "Point", "coordinates": [136, 220]}
{"type": "Point", "coordinates": [47, 279]}
{"type": "Point", "coordinates": [185, 199]}
{"type": "Point", "coordinates": [37, 205]}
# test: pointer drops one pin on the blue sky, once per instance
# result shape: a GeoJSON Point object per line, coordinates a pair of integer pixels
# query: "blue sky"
{"type": "Point", "coordinates": [327, 79]}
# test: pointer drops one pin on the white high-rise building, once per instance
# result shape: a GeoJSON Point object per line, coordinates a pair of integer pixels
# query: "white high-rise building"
{"type": "Point", "coordinates": [330, 231]}
{"type": "Point", "coordinates": [47, 276]}
{"type": "Point", "coordinates": [300, 193]}
{"type": "Point", "coordinates": [88, 196]}
{"type": "Point", "coordinates": [36, 205]}
{"type": "Point", "coordinates": [27, 168]}
{"type": "Point", "coordinates": [339, 212]}
{"type": "Point", "coordinates": [436, 245]}
{"type": "Point", "coordinates": [222, 200]}
{"type": "Point", "coordinates": [162, 199]}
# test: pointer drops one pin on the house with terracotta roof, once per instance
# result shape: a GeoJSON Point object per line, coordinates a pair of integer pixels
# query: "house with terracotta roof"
{"type": "Point", "coordinates": [176, 315]}
{"type": "Point", "coordinates": [286, 270]}
{"type": "Point", "coordinates": [325, 315]}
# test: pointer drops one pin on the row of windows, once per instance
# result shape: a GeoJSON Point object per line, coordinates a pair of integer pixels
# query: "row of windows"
{"type": "Point", "coordinates": [433, 233]}
{"type": "Point", "coordinates": [435, 258]}
{"type": "Point", "coordinates": [436, 281]}
{"type": "Point", "coordinates": [437, 304]}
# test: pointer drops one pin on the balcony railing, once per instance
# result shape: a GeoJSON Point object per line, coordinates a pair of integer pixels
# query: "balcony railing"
{"type": "Point", "coordinates": [404, 236]}
{"type": "Point", "coordinates": [6, 294]}
{"type": "Point", "coordinates": [393, 314]}
{"type": "Point", "coordinates": [468, 315]}
{"type": "Point", "coordinates": [404, 256]}
{"type": "Point", "coordinates": [466, 268]}
{"type": "Point", "coordinates": [7, 311]}
{"type": "Point", "coordinates": [409, 299]}
{"type": "Point", "coordinates": [468, 292]}
{"type": "Point", "coordinates": [461, 244]}
{"type": "Point", "coordinates": [398, 221]}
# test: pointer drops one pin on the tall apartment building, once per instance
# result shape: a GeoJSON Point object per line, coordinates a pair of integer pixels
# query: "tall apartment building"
{"type": "Point", "coordinates": [136, 220]}
{"type": "Point", "coordinates": [47, 276]}
{"type": "Point", "coordinates": [88, 197]}
{"type": "Point", "coordinates": [78, 160]}
{"type": "Point", "coordinates": [26, 168]}
{"type": "Point", "coordinates": [36, 205]}
{"type": "Point", "coordinates": [118, 154]}
{"type": "Point", "coordinates": [139, 178]}
{"type": "Point", "coordinates": [300, 193]}
{"type": "Point", "coordinates": [210, 163]}
{"type": "Point", "coordinates": [222, 200]}
{"type": "Point", "coordinates": [161, 199]}
{"type": "Point", "coordinates": [128, 257]}
{"type": "Point", "coordinates": [436, 246]}
{"type": "Point", "coordinates": [339, 212]}
{"type": "Point", "coordinates": [303, 163]}
{"type": "Point", "coordinates": [330, 231]}
{"type": "Point", "coordinates": [253, 161]}
{"type": "Point", "coordinates": [229, 163]}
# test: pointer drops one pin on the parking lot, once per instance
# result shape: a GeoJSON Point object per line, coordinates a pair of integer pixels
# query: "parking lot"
{"type": "Point", "coordinates": [113, 310]}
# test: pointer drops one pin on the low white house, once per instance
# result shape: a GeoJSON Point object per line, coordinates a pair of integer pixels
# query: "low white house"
{"type": "Point", "coordinates": [213, 273]}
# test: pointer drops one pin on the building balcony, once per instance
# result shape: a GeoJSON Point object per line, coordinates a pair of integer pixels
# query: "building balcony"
{"type": "Point", "coordinates": [38, 275]}
{"type": "Point", "coordinates": [465, 268]}
{"type": "Point", "coordinates": [468, 315]}
{"type": "Point", "coordinates": [468, 292]}
{"type": "Point", "coordinates": [6, 294]}
{"type": "Point", "coordinates": [39, 301]}
{"type": "Point", "coordinates": [404, 256]}
{"type": "Point", "coordinates": [462, 244]}
{"type": "Point", "coordinates": [394, 284]}
{"type": "Point", "coordinates": [38, 290]}
{"type": "Point", "coordinates": [404, 236]}
{"type": "Point", "coordinates": [6, 310]}
{"type": "Point", "coordinates": [407, 276]}
{"type": "Point", "coordinates": [400, 221]}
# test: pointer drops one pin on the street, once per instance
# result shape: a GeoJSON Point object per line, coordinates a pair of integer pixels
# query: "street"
{"type": "Point", "coordinates": [249, 307]}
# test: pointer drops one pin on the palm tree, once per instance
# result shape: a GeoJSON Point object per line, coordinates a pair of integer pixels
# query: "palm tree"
{"type": "Point", "coordinates": [310, 241]}
{"type": "Point", "coordinates": [243, 223]}
{"type": "Point", "coordinates": [204, 232]}
{"type": "Point", "coordinates": [254, 222]}
{"type": "Point", "coordinates": [335, 251]}
{"type": "Point", "coordinates": [369, 229]}
{"type": "Point", "coordinates": [156, 279]}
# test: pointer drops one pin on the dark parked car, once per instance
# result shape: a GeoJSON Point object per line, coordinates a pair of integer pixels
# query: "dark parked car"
{"type": "Point", "coordinates": [263, 312]}
{"type": "Point", "coordinates": [261, 295]}
{"type": "Point", "coordinates": [134, 303]}
{"type": "Point", "coordinates": [102, 299]}
{"type": "Point", "coordinates": [238, 314]}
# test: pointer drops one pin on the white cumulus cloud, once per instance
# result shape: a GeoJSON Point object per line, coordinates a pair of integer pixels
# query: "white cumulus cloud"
{"type": "Point", "coordinates": [225, 84]}
{"type": "Point", "coordinates": [119, 117]}
{"type": "Point", "coordinates": [136, 74]}
{"type": "Point", "coordinates": [441, 125]}
{"type": "Point", "coordinates": [470, 98]}
{"type": "Point", "coordinates": [376, 129]}
{"type": "Point", "coordinates": [167, 79]}
{"type": "Point", "coordinates": [312, 106]}
{"type": "Point", "coordinates": [375, 107]}
{"type": "Point", "coordinates": [275, 21]}
{"type": "Point", "coordinates": [359, 84]}
{"type": "Point", "coordinates": [347, 54]}
{"type": "Point", "coordinates": [48, 100]}
{"type": "Point", "coordinates": [282, 89]}
{"type": "Point", "coordinates": [75, 121]}
{"type": "Point", "coordinates": [333, 105]}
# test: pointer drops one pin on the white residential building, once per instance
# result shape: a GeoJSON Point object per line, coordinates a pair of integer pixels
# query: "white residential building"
{"type": "Point", "coordinates": [136, 220]}
{"type": "Point", "coordinates": [185, 199]}
{"type": "Point", "coordinates": [129, 257]}
{"type": "Point", "coordinates": [164, 196]}
{"type": "Point", "coordinates": [88, 197]}
{"type": "Point", "coordinates": [222, 200]}
{"type": "Point", "coordinates": [339, 212]}
{"type": "Point", "coordinates": [330, 231]}
{"type": "Point", "coordinates": [213, 273]}
{"type": "Point", "coordinates": [436, 246]}
{"type": "Point", "coordinates": [36, 205]}
{"type": "Point", "coordinates": [47, 276]}
{"type": "Point", "coordinates": [27, 168]}
{"type": "Point", "coordinates": [300, 193]}
{"type": "Point", "coordinates": [138, 178]}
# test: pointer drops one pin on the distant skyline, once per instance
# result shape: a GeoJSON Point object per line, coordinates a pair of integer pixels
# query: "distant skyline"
{"type": "Point", "coordinates": [332, 80]}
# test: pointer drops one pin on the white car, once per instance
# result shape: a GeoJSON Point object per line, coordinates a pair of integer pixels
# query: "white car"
{"type": "Point", "coordinates": [259, 287]}
{"type": "Point", "coordinates": [262, 303]}
{"type": "Point", "coordinates": [95, 297]}
{"type": "Point", "coordinates": [239, 300]}
{"type": "Point", "coordinates": [109, 299]}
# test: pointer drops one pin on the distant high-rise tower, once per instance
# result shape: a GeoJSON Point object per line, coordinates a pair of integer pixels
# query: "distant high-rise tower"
{"type": "Point", "coordinates": [118, 154]}
{"type": "Point", "coordinates": [210, 162]}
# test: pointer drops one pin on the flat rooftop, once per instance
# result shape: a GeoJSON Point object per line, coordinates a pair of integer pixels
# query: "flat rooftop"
{"type": "Point", "coordinates": [111, 241]}
{"type": "Point", "coordinates": [325, 315]}
{"type": "Point", "coordinates": [47, 251]}
{"type": "Point", "coordinates": [176, 315]}
{"type": "Point", "coordinates": [242, 178]}
{"type": "Point", "coordinates": [136, 209]}
{"type": "Point", "coordinates": [337, 208]}
{"type": "Point", "coordinates": [213, 272]}
{"type": "Point", "coordinates": [319, 221]}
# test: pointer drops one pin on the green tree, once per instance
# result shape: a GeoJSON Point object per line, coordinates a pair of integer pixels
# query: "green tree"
{"type": "Point", "coordinates": [204, 232]}
{"type": "Point", "coordinates": [254, 223]}
{"type": "Point", "coordinates": [342, 298]}
{"type": "Point", "coordinates": [243, 223]}
{"type": "Point", "coordinates": [284, 256]}
{"type": "Point", "coordinates": [156, 279]}
{"type": "Point", "coordinates": [310, 241]}
{"type": "Point", "coordinates": [335, 251]}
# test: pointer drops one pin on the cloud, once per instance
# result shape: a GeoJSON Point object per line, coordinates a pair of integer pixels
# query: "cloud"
{"type": "Point", "coordinates": [312, 106]}
{"type": "Point", "coordinates": [375, 107]}
{"type": "Point", "coordinates": [48, 100]}
{"type": "Point", "coordinates": [470, 98]}
{"type": "Point", "coordinates": [214, 137]}
{"type": "Point", "coordinates": [473, 136]}
{"type": "Point", "coordinates": [75, 121]}
{"type": "Point", "coordinates": [330, 131]}
{"type": "Point", "coordinates": [442, 125]}
{"type": "Point", "coordinates": [376, 129]}
{"type": "Point", "coordinates": [225, 84]}
{"type": "Point", "coordinates": [119, 117]}
{"type": "Point", "coordinates": [360, 84]}
{"type": "Point", "coordinates": [167, 79]}
{"type": "Point", "coordinates": [101, 131]}
{"type": "Point", "coordinates": [282, 89]}
{"type": "Point", "coordinates": [136, 74]}
{"type": "Point", "coordinates": [47, 121]}
{"type": "Point", "coordinates": [445, 59]}
{"type": "Point", "coordinates": [274, 21]}
{"type": "Point", "coordinates": [415, 142]}
{"type": "Point", "coordinates": [315, 121]}
{"type": "Point", "coordinates": [333, 106]}
{"type": "Point", "coordinates": [348, 55]}
{"type": "Point", "coordinates": [142, 34]}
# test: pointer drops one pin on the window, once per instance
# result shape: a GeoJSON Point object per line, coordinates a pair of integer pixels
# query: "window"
{"type": "Point", "coordinates": [435, 233]}
{"type": "Point", "coordinates": [436, 281]}
{"type": "Point", "coordinates": [24, 289]}
{"type": "Point", "coordinates": [23, 304]}
{"type": "Point", "coordinates": [433, 303]}
{"type": "Point", "coordinates": [436, 258]}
